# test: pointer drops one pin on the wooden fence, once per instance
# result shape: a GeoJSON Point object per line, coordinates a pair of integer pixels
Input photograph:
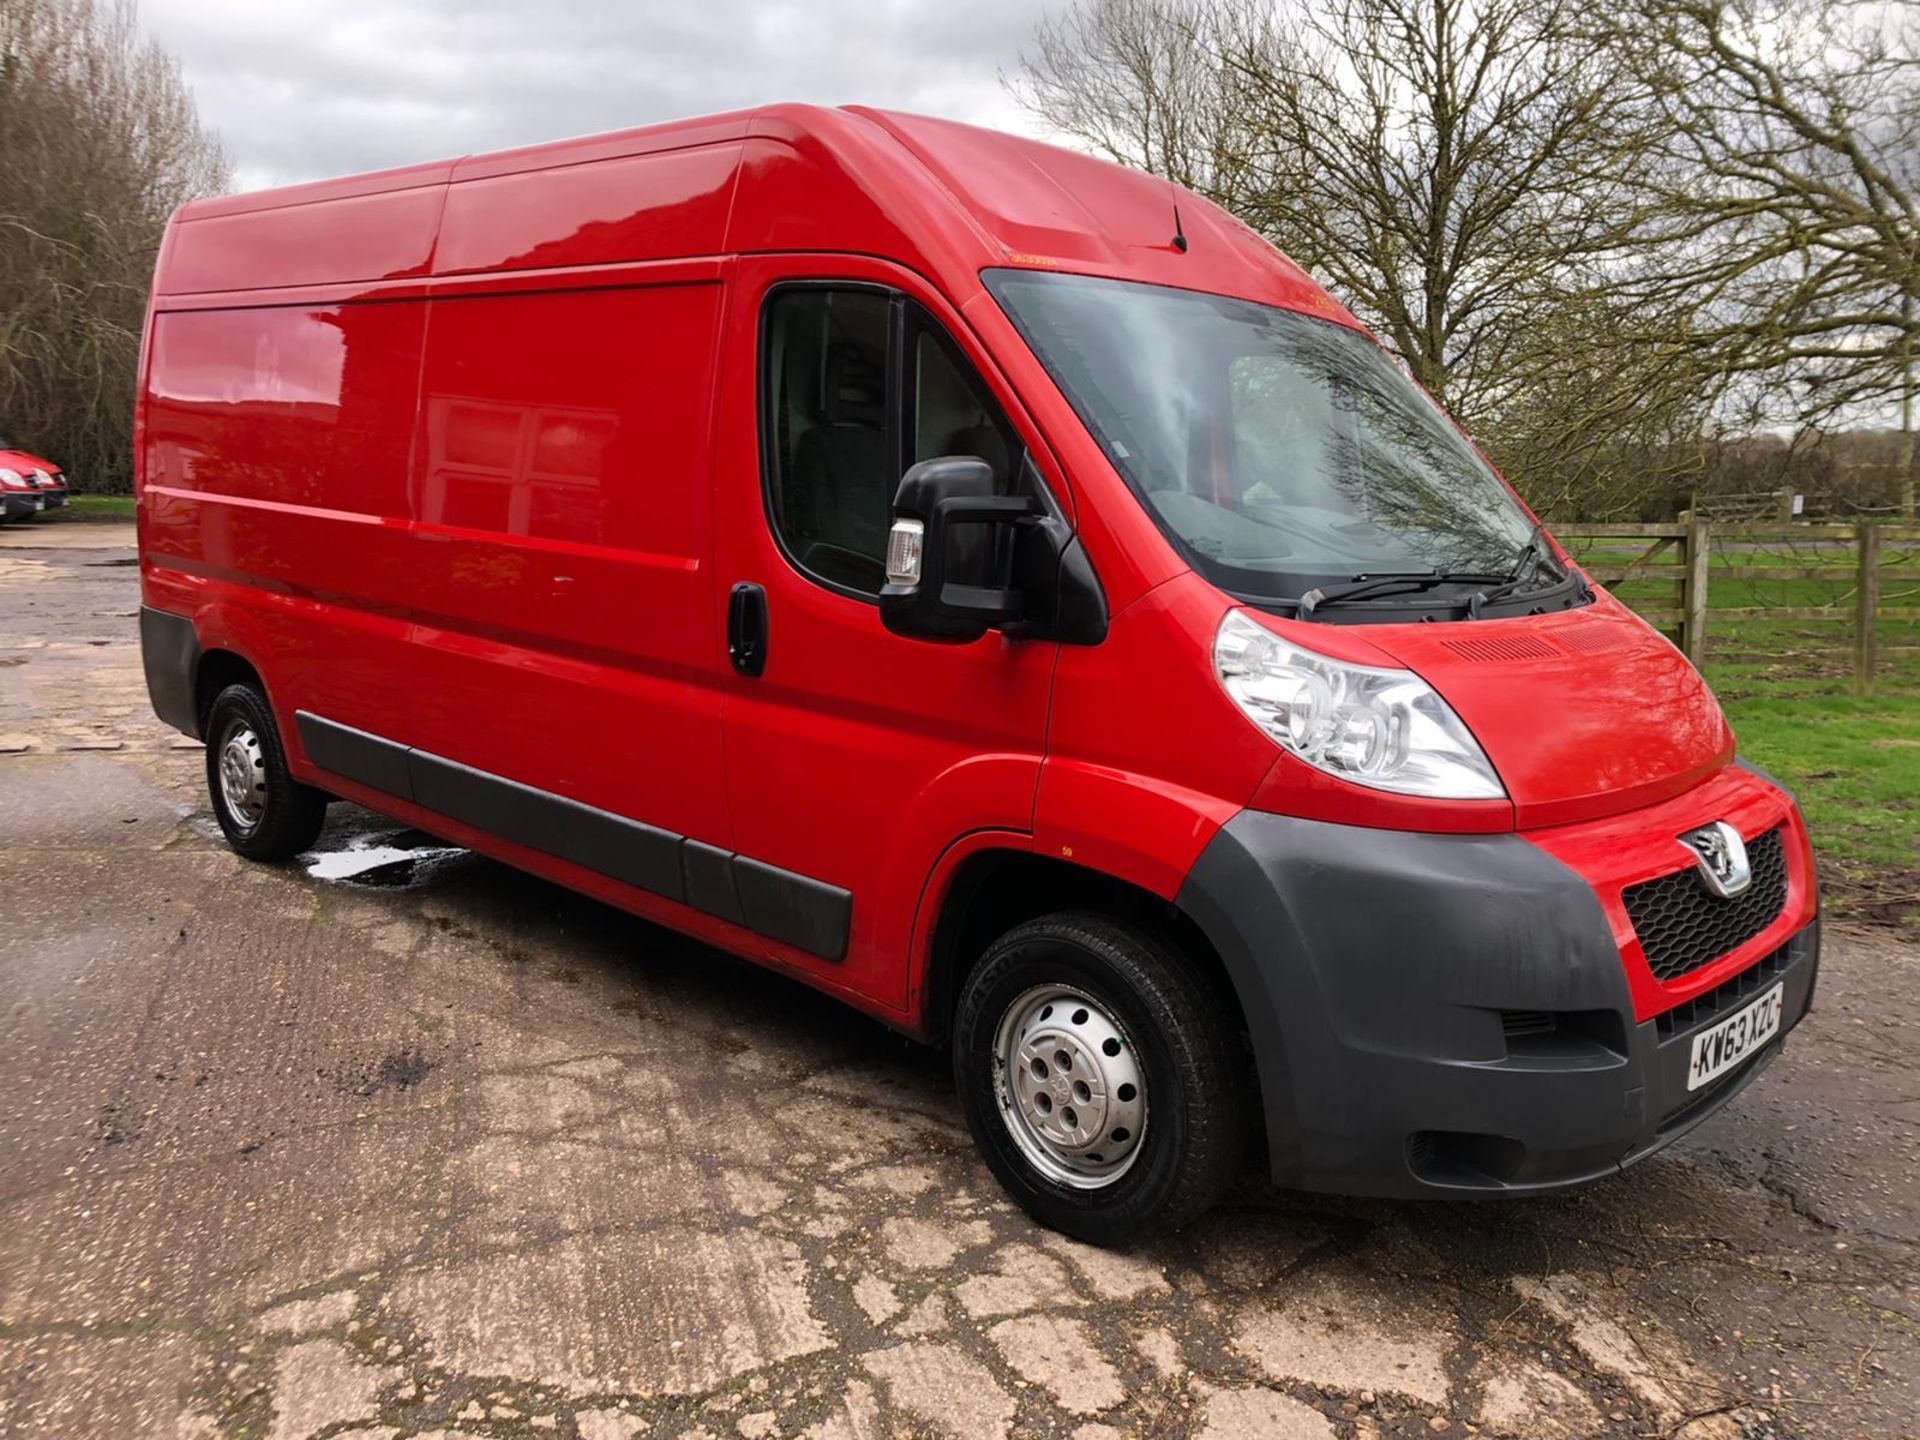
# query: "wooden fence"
{"type": "Point", "coordinates": [1679, 557]}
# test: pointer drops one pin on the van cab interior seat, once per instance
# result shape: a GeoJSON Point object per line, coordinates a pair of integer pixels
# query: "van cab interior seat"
{"type": "Point", "coordinates": [843, 475]}
{"type": "Point", "coordinates": [983, 442]}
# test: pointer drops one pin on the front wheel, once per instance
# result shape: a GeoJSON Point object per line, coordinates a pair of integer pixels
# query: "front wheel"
{"type": "Point", "coordinates": [1097, 1074]}
{"type": "Point", "coordinates": [263, 811]}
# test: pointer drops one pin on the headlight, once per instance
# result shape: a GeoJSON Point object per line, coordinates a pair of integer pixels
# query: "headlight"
{"type": "Point", "coordinates": [11, 477]}
{"type": "Point", "coordinates": [1384, 728]}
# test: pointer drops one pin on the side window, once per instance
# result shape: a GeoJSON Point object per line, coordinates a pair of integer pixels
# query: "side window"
{"type": "Point", "coordinates": [835, 449]}
{"type": "Point", "coordinates": [856, 385]}
{"type": "Point", "coordinates": [952, 412]}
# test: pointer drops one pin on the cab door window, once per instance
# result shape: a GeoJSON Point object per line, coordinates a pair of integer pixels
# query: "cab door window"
{"type": "Point", "coordinates": [952, 412]}
{"type": "Point", "coordinates": [857, 384]}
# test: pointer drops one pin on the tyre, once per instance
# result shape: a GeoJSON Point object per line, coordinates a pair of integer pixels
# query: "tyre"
{"type": "Point", "coordinates": [1098, 1076]}
{"type": "Point", "coordinates": [264, 812]}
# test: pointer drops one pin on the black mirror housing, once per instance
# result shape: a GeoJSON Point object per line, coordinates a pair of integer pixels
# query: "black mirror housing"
{"type": "Point", "coordinates": [949, 574]}
{"type": "Point", "coordinates": [963, 559]}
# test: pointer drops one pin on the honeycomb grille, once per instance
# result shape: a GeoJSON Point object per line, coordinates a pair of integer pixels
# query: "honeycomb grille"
{"type": "Point", "coordinates": [1682, 927]}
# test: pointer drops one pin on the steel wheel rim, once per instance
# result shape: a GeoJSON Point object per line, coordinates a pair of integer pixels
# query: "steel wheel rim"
{"type": "Point", "coordinates": [1080, 1123]}
{"type": "Point", "coordinates": [242, 766]}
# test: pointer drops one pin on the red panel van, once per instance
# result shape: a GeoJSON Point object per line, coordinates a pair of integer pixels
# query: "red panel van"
{"type": "Point", "coordinates": [994, 587]}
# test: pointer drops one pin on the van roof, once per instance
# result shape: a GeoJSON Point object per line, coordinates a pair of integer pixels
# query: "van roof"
{"type": "Point", "coordinates": [1017, 202]}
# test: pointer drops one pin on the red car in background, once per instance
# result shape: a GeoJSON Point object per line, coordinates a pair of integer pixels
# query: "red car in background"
{"type": "Point", "coordinates": [28, 484]}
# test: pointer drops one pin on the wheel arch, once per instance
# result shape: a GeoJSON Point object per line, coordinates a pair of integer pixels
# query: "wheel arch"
{"type": "Point", "coordinates": [219, 668]}
{"type": "Point", "coordinates": [993, 889]}
{"type": "Point", "coordinates": [234, 648]}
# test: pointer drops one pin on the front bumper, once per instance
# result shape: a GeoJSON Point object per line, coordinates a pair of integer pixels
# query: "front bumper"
{"type": "Point", "coordinates": [18, 505]}
{"type": "Point", "coordinates": [1447, 1015]}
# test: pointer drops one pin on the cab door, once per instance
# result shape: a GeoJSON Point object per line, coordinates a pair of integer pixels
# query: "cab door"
{"type": "Point", "coordinates": [855, 756]}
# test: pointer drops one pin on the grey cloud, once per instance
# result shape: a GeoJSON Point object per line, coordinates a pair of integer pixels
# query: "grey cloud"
{"type": "Point", "coordinates": [302, 88]}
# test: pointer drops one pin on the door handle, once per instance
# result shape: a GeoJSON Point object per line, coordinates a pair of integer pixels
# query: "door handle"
{"type": "Point", "coordinates": [747, 628]}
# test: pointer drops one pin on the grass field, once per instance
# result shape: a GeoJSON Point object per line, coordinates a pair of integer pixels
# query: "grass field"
{"type": "Point", "coordinates": [1787, 686]}
{"type": "Point", "coordinates": [1855, 765]}
{"type": "Point", "coordinates": [98, 507]}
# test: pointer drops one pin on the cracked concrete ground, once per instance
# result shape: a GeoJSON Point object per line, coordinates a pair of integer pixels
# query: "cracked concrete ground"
{"type": "Point", "coordinates": [432, 1148]}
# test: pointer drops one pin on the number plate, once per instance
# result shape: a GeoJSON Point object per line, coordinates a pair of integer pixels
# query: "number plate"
{"type": "Point", "coordinates": [1719, 1049]}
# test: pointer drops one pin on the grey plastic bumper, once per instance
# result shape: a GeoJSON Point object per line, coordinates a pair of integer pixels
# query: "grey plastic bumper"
{"type": "Point", "coordinates": [1436, 1014]}
{"type": "Point", "coordinates": [170, 653]}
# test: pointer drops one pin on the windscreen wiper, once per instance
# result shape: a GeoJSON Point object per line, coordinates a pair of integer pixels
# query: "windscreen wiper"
{"type": "Point", "coordinates": [1396, 583]}
{"type": "Point", "coordinates": [1534, 554]}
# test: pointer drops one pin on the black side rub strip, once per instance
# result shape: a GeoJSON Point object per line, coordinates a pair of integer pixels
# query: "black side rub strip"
{"type": "Point", "coordinates": [379, 764]}
{"type": "Point", "coordinates": [630, 852]}
{"type": "Point", "coordinates": [796, 910]}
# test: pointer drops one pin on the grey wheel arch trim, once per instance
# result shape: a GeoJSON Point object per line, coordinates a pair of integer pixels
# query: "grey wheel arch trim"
{"type": "Point", "coordinates": [1340, 939]}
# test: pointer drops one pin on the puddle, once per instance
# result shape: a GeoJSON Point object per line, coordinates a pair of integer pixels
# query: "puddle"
{"type": "Point", "coordinates": [382, 859]}
{"type": "Point", "coordinates": [401, 1070]}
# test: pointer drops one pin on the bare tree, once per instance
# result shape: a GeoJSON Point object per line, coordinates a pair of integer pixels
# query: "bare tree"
{"type": "Point", "coordinates": [1791, 132]}
{"type": "Point", "coordinates": [1442, 163]}
{"type": "Point", "coordinates": [1468, 175]}
{"type": "Point", "coordinates": [1145, 83]}
{"type": "Point", "coordinates": [99, 141]}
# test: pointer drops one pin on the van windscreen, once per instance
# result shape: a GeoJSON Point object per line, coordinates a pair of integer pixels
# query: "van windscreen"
{"type": "Point", "coordinates": [1278, 451]}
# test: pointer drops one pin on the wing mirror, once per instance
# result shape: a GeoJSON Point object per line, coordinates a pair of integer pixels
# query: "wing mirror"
{"type": "Point", "coordinates": [950, 552]}
{"type": "Point", "coordinates": [963, 560]}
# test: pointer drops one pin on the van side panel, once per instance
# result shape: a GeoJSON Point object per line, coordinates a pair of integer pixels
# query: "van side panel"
{"type": "Point", "coordinates": [275, 487]}
{"type": "Point", "coordinates": [641, 207]}
{"type": "Point", "coordinates": [794, 197]}
{"type": "Point", "coordinates": [564, 626]}
{"type": "Point", "coordinates": [363, 237]}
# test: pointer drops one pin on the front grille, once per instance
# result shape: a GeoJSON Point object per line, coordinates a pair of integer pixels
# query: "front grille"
{"type": "Point", "coordinates": [1682, 927]}
{"type": "Point", "coordinates": [1726, 997]}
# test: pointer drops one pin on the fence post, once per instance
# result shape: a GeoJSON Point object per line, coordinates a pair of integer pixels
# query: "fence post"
{"type": "Point", "coordinates": [1866, 610]}
{"type": "Point", "coordinates": [1693, 623]}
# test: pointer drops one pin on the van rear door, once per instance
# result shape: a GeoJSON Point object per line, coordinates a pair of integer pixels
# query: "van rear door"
{"type": "Point", "coordinates": [854, 756]}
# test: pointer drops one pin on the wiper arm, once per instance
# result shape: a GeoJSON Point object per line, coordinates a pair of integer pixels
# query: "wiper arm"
{"type": "Point", "coordinates": [1385, 583]}
{"type": "Point", "coordinates": [1411, 582]}
{"type": "Point", "coordinates": [1533, 555]}
{"type": "Point", "coordinates": [1364, 585]}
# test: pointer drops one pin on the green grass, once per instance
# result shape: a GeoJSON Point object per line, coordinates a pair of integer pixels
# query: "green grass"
{"type": "Point", "coordinates": [1787, 686]}
{"type": "Point", "coordinates": [1854, 762]}
{"type": "Point", "coordinates": [1855, 765]}
{"type": "Point", "coordinates": [98, 507]}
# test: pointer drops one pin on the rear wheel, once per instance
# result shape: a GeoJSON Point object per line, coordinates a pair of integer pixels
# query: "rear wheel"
{"type": "Point", "coordinates": [1097, 1075]}
{"type": "Point", "coordinates": [263, 811]}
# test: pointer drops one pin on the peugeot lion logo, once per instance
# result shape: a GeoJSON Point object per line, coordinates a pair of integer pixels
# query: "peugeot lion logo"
{"type": "Point", "coordinates": [1720, 855]}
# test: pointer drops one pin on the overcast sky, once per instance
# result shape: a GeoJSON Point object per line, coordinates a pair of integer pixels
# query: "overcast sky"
{"type": "Point", "coordinates": [300, 89]}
